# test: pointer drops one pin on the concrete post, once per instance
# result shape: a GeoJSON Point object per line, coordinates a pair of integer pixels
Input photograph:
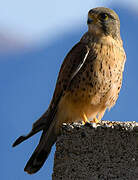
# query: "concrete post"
{"type": "Point", "coordinates": [107, 151]}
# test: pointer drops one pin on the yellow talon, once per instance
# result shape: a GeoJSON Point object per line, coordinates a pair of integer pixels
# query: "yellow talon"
{"type": "Point", "coordinates": [85, 119]}
{"type": "Point", "coordinates": [95, 120]}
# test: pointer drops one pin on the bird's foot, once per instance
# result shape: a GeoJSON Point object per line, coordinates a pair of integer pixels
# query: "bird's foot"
{"type": "Point", "coordinates": [95, 120]}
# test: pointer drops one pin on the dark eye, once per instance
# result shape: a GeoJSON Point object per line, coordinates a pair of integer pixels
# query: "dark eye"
{"type": "Point", "coordinates": [104, 16]}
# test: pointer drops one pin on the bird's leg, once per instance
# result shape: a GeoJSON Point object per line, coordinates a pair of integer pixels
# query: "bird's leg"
{"type": "Point", "coordinates": [84, 119]}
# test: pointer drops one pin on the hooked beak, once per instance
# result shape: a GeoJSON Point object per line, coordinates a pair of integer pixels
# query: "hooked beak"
{"type": "Point", "coordinates": [91, 19]}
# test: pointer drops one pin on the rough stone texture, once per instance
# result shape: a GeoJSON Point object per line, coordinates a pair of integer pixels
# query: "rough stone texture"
{"type": "Point", "coordinates": [107, 151]}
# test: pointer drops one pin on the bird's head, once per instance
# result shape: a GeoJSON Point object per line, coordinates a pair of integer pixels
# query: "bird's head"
{"type": "Point", "coordinates": [103, 21]}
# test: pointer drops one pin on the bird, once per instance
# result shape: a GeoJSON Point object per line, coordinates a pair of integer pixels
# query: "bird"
{"type": "Point", "coordinates": [89, 82]}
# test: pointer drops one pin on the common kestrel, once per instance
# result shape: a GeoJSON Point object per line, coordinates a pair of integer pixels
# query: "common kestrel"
{"type": "Point", "coordinates": [88, 83]}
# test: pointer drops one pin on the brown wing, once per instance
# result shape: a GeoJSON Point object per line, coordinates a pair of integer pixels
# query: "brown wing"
{"type": "Point", "coordinates": [72, 63]}
{"type": "Point", "coordinates": [70, 67]}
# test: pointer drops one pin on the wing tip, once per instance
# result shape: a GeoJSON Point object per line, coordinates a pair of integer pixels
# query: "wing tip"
{"type": "Point", "coordinates": [18, 141]}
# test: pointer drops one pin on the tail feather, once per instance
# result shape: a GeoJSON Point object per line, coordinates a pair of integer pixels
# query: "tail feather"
{"type": "Point", "coordinates": [32, 167]}
{"type": "Point", "coordinates": [42, 151]}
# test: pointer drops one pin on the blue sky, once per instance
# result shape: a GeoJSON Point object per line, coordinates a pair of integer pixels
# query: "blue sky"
{"type": "Point", "coordinates": [35, 20]}
{"type": "Point", "coordinates": [28, 78]}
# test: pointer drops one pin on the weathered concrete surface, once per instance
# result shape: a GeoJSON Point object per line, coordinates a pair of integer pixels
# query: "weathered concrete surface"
{"type": "Point", "coordinates": [107, 151]}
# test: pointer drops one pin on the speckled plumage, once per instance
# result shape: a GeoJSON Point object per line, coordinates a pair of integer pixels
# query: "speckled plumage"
{"type": "Point", "coordinates": [89, 82]}
{"type": "Point", "coordinates": [97, 84]}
